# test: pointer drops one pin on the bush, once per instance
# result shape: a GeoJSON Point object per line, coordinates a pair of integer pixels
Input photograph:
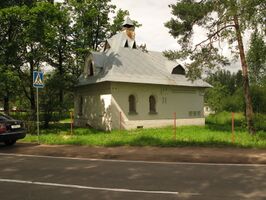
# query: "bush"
{"type": "Point", "coordinates": [259, 99]}
{"type": "Point", "coordinates": [225, 118]}
{"type": "Point", "coordinates": [260, 122]}
{"type": "Point", "coordinates": [235, 102]}
{"type": "Point", "coordinates": [223, 121]}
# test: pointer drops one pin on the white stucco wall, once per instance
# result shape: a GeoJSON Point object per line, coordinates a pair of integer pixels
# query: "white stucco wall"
{"type": "Point", "coordinates": [106, 106]}
{"type": "Point", "coordinates": [186, 103]}
{"type": "Point", "coordinates": [95, 107]}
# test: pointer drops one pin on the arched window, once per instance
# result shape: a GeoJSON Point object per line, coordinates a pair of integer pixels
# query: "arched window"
{"type": "Point", "coordinates": [132, 104]}
{"type": "Point", "coordinates": [91, 70]}
{"type": "Point", "coordinates": [152, 103]}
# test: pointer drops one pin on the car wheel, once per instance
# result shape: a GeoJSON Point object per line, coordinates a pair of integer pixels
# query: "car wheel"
{"type": "Point", "coordinates": [10, 142]}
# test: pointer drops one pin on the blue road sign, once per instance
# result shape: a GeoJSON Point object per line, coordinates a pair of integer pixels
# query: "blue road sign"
{"type": "Point", "coordinates": [38, 79]}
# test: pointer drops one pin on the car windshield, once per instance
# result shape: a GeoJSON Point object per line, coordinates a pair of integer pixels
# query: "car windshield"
{"type": "Point", "coordinates": [5, 117]}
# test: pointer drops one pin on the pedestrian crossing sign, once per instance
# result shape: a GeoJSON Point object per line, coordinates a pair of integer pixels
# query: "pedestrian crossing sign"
{"type": "Point", "coordinates": [38, 79]}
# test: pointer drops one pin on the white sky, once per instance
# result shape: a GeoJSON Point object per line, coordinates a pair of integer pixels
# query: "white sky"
{"type": "Point", "coordinates": [152, 14]}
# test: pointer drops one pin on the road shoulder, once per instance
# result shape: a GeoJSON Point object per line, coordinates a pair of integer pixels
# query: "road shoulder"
{"type": "Point", "coordinates": [156, 154]}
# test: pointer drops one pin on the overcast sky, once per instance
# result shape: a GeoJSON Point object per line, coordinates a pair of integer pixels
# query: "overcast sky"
{"type": "Point", "coordinates": [152, 14]}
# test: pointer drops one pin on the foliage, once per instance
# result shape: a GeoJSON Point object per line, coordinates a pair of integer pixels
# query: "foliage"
{"type": "Point", "coordinates": [49, 98]}
{"type": "Point", "coordinates": [256, 59]}
{"type": "Point", "coordinates": [259, 98]}
{"type": "Point", "coordinates": [231, 81]}
{"type": "Point", "coordinates": [59, 51]}
{"type": "Point", "coordinates": [10, 3]}
{"type": "Point", "coordinates": [8, 87]}
{"type": "Point", "coordinates": [227, 92]}
{"type": "Point", "coordinates": [41, 34]}
{"type": "Point", "coordinates": [260, 122]}
{"type": "Point", "coordinates": [223, 21]}
{"type": "Point", "coordinates": [91, 23]}
{"type": "Point", "coordinates": [12, 22]}
{"type": "Point", "coordinates": [214, 97]}
{"type": "Point", "coordinates": [234, 102]}
{"type": "Point", "coordinates": [223, 121]}
{"type": "Point", "coordinates": [216, 18]}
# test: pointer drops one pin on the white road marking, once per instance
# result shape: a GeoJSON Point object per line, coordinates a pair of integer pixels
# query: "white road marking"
{"type": "Point", "coordinates": [91, 188]}
{"type": "Point", "coordinates": [132, 161]}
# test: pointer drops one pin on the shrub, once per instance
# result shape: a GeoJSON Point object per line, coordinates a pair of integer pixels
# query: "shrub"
{"type": "Point", "coordinates": [260, 122]}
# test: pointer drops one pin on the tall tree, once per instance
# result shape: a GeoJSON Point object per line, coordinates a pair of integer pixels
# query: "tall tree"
{"type": "Point", "coordinates": [223, 21]}
{"type": "Point", "coordinates": [256, 59]}
{"type": "Point", "coordinates": [12, 21]}
{"type": "Point", "coordinates": [8, 87]}
{"type": "Point", "coordinates": [91, 22]}
{"type": "Point", "coordinates": [226, 93]}
{"type": "Point", "coordinates": [232, 81]}
{"type": "Point", "coordinates": [58, 46]}
{"type": "Point", "coordinates": [21, 35]}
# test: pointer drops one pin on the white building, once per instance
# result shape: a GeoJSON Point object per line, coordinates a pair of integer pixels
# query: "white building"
{"type": "Point", "coordinates": [125, 87]}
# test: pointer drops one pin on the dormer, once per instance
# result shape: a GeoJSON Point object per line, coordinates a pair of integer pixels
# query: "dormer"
{"type": "Point", "coordinates": [179, 70]}
{"type": "Point", "coordinates": [89, 68]}
{"type": "Point", "coordinates": [94, 64]}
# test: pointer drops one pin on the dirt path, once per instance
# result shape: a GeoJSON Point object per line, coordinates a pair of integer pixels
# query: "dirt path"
{"type": "Point", "coordinates": [182, 154]}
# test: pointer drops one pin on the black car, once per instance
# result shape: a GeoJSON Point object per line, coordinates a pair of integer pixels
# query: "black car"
{"type": "Point", "coordinates": [11, 130]}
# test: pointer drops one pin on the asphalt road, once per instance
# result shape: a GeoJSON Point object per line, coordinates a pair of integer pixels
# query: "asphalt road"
{"type": "Point", "coordinates": [40, 177]}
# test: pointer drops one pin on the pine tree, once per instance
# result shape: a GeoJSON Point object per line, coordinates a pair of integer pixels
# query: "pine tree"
{"type": "Point", "coordinates": [223, 21]}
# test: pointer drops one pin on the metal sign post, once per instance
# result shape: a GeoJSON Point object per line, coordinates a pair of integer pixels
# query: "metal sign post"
{"type": "Point", "coordinates": [38, 121]}
{"type": "Point", "coordinates": [71, 123]}
{"type": "Point", "coordinates": [233, 128]}
{"type": "Point", "coordinates": [38, 83]}
{"type": "Point", "coordinates": [174, 126]}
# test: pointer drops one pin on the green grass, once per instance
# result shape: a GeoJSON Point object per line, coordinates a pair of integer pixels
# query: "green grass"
{"type": "Point", "coordinates": [68, 120]}
{"type": "Point", "coordinates": [208, 136]}
{"type": "Point", "coordinates": [223, 121]}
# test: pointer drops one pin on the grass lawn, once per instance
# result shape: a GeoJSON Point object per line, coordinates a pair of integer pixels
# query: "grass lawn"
{"type": "Point", "coordinates": [209, 136]}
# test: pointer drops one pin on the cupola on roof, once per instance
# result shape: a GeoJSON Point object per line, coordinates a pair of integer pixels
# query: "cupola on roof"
{"type": "Point", "coordinates": [128, 22]}
{"type": "Point", "coordinates": [125, 38]}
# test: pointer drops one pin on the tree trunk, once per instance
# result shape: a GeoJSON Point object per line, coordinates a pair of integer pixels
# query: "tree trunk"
{"type": "Point", "coordinates": [61, 73]}
{"type": "Point", "coordinates": [249, 109]}
{"type": "Point", "coordinates": [6, 104]}
{"type": "Point", "coordinates": [62, 79]}
{"type": "Point", "coordinates": [32, 95]}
